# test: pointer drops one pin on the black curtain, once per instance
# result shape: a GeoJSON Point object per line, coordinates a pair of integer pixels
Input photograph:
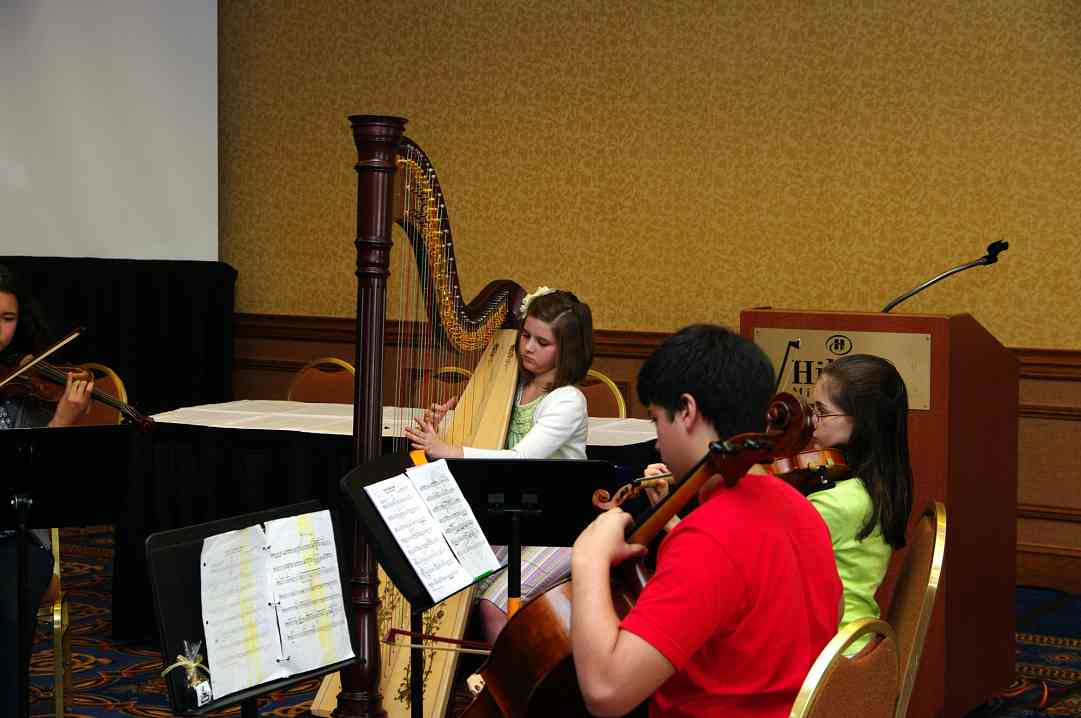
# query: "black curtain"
{"type": "Point", "coordinates": [164, 326]}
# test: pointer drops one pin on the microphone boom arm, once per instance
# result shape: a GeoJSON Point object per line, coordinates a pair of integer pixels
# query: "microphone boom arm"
{"type": "Point", "coordinates": [993, 250]}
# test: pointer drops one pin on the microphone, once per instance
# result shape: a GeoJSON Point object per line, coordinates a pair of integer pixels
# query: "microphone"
{"type": "Point", "coordinates": [993, 250]}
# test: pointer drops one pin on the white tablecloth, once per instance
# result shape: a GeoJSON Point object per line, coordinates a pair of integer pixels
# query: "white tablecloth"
{"type": "Point", "coordinates": [338, 419]}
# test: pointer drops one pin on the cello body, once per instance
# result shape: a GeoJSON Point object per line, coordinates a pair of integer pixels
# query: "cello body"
{"type": "Point", "coordinates": [531, 669]}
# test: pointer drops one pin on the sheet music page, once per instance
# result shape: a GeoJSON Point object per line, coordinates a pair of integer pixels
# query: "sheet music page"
{"type": "Point", "coordinates": [239, 622]}
{"type": "Point", "coordinates": [436, 485]}
{"type": "Point", "coordinates": [420, 537]}
{"type": "Point", "coordinates": [307, 590]}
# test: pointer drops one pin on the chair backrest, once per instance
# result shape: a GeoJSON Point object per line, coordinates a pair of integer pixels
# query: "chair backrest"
{"type": "Point", "coordinates": [438, 385]}
{"type": "Point", "coordinates": [863, 686]}
{"type": "Point", "coordinates": [603, 397]}
{"type": "Point", "coordinates": [913, 599]}
{"type": "Point", "coordinates": [326, 380]}
{"type": "Point", "coordinates": [107, 381]}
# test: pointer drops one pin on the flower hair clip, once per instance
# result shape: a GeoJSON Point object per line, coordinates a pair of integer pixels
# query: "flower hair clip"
{"type": "Point", "coordinates": [540, 292]}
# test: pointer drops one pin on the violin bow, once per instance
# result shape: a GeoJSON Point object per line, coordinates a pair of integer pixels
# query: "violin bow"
{"type": "Point", "coordinates": [43, 355]}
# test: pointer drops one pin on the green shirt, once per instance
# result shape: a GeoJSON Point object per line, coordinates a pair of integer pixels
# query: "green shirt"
{"type": "Point", "coordinates": [521, 421]}
{"type": "Point", "coordinates": [861, 564]}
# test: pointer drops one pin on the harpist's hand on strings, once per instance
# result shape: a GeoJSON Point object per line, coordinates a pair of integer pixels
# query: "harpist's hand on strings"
{"type": "Point", "coordinates": [435, 413]}
{"type": "Point", "coordinates": [425, 437]}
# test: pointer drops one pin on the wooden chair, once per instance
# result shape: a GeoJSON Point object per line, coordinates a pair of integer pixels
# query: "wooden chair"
{"type": "Point", "coordinates": [603, 397]}
{"type": "Point", "coordinates": [438, 385]}
{"type": "Point", "coordinates": [914, 593]}
{"type": "Point", "coordinates": [863, 686]}
{"type": "Point", "coordinates": [327, 380]}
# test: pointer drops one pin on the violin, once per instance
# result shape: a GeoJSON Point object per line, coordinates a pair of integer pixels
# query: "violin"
{"type": "Point", "coordinates": [812, 470]}
{"type": "Point", "coordinates": [44, 382]}
{"type": "Point", "coordinates": [808, 471]}
{"type": "Point", "coordinates": [531, 668]}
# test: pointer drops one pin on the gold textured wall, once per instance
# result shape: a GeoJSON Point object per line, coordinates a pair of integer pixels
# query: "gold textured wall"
{"type": "Point", "coordinates": [673, 162]}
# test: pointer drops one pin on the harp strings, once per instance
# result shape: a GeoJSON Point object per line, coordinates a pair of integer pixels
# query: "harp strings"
{"type": "Point", "coordinates": [424, 260]}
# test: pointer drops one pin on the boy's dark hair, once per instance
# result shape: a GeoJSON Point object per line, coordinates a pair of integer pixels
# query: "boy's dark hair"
{"type": "Point", "coordinates": [730, 378]}
{"type": "Point", "coordinates": [572, 325]}
{"type": "Point", "coordinates": [871, 391]}
{"type": "Point", "coordinates": [32, 333]}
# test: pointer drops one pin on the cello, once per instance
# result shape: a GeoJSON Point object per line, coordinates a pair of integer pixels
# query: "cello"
{"type": "Point", "coordinates": [530, 671]}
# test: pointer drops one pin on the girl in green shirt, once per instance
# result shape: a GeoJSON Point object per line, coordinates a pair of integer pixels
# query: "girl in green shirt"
{"type": "Point", "coordinates": [860, 406]}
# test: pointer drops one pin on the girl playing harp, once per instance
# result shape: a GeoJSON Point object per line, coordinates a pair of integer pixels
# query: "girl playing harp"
{"type": "Point", "coordinates": [549, 420]}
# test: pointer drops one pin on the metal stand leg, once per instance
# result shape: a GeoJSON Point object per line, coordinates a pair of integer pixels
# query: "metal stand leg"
{"type": "Point", "coordinates": [21, 504]}
{"type": "Point", "coordinates": [416, 666]}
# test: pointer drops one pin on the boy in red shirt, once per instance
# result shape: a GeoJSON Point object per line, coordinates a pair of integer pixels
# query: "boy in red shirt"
{"type": "Point", "coordinates": [746, 592]}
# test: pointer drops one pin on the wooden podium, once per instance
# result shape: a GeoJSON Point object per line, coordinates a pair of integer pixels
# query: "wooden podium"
{"type": "Point", "coordinates": [962, 427]}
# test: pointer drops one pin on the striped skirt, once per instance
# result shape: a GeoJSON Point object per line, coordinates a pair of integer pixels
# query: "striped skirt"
{"type": "Point", "coordinates": [542, 568]}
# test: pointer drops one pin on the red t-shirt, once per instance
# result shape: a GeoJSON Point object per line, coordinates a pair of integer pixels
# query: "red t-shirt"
{"type": "Point", "coordinates": [745, 596]}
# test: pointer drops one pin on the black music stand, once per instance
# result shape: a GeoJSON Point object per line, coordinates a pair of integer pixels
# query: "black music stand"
{"type": "Point", "coordinates": [559, 491]}
{"type": "Point", "coordinates": [173, 563]}
{"type": "Point", "coordinates": [45, 481]}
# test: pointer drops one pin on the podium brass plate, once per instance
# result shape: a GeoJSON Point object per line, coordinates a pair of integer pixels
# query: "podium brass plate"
{"type": "Point", "coordinates": [812, 350]}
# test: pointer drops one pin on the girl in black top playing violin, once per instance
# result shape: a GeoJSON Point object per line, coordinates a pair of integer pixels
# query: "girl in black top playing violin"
{"type": "Point", "coordinates": [21, 335]}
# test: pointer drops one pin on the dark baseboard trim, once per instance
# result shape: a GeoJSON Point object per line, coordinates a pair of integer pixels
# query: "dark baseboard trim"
{"type": "Point", "coordinates": [1049, 513]}
{"type": "Point", "coordinates": [1048, 364]}
{"type": "Point", "coordinates": [610, 344]}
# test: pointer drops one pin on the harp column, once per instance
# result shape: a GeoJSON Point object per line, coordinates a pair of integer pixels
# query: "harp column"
{"type": "Point", "coordinates": [377, 139]}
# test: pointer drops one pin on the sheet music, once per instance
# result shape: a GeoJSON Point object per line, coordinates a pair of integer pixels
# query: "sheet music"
{"type": "Point", "coordinates": [239, 621]}
{"type": "Point", "coordinates": [307, 590]}
{"type": "Point", "coordinates": [421, 539]}
{"type": "Point", "coordinates": [444, 498]}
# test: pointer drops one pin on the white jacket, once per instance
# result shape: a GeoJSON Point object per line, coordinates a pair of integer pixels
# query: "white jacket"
{"type": "Point", "coordinates": [560, 427]}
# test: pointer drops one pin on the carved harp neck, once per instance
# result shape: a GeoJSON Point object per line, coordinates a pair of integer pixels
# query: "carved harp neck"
{"type": "Point", "coordinates": [420, 209]}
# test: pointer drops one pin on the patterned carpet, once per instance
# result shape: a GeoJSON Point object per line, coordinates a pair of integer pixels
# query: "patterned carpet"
{"type": "Point", "coordinates": [1048, 681]}
{"type": "Point", "coordinates": [111, 679]}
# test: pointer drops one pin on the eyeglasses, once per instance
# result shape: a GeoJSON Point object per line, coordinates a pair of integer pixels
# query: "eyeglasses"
{"type": "Point", "coordinates": [817, 415]}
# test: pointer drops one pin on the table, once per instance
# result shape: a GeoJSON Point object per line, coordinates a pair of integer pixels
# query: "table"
{"type": "Point", "coordinates": [338, 419]}
{"type": "Point", "coordinates": [214, 461]}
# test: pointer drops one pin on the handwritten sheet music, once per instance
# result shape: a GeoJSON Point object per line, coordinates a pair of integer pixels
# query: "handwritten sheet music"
{"type": "Point", "coordinates": [444, 498]}
{"type": "Point", "coordinates": [239, 621]}
{"type": "Point", "coordinates": [306, 584]}
{"type": "Point", "coordinates": [419, 535]}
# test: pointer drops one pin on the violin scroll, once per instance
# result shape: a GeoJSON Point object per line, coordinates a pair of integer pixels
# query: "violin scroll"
{"type": "Point", "coordinates": [604, 500]}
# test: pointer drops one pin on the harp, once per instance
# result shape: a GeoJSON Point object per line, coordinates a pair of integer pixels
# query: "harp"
{"type": "Point", "coordinates": [397, 185]}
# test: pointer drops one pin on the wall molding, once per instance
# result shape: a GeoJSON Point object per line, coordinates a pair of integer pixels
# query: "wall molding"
{"type": "Point", "coordinates": [609, 344]}
{"type": "Point", "coordinates": [1041, 549]}
{"type": "Point", "coordinates": [1050, 513]}
{"type": "Point", "coordinates": [294, 328]}
{"type": "Point", "coordinates": [1046, 411]}
{"type": "Point", "coordinates": [261, 364]}
{"type": "Point", "coordinates": [1047, 364]}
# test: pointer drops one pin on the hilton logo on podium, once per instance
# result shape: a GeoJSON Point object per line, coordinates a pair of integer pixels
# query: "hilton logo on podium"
{"type": "Point", "coordinates": [800, 356]}
{"type": "Point", "coordinates": [839, 345]}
